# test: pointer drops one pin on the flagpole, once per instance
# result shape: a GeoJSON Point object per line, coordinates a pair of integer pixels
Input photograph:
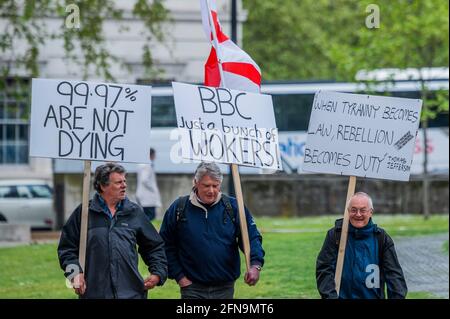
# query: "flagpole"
{"type": "Point", "coordinates": [234, 167]}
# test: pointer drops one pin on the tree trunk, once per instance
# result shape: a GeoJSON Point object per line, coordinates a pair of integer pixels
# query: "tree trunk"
{"type": "Point", "coordinates": [425, 180]}
{"type": "Point", "coordinates": [424, 120]}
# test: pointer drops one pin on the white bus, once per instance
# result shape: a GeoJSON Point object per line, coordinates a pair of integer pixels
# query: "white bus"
{"type": "Point", "coordinates": [292, 106]}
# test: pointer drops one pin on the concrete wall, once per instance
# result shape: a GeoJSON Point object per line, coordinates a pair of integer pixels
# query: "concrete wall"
{"type": "Point", "coordinates": [283, 195]}
{"type": "Point", "coordinates": [10, 233]}
{"type": "Point", "coordinates": [319, 195]}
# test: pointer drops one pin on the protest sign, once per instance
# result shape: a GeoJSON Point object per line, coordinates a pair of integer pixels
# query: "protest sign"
{"type": "Point", "coordinates": [226, 126]}
{"type": "Point", "coordinates": [362, 135]}
{"type": "Point", "coordinates": [90, 121]}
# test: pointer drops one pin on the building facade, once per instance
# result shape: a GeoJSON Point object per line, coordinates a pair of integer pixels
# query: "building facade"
{"type": "Point", "coordinates": [180, 57]}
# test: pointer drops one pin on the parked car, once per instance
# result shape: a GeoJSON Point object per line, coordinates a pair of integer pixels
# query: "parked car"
{"type": "Point", "coordinates": [27, 202]}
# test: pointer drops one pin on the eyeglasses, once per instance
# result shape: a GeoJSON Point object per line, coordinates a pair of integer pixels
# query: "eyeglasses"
{"type": "Point", "coordinates": [363, 211]}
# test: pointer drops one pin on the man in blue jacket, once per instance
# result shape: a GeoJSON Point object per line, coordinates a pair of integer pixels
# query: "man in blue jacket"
{"type": "Point", "coordinates": [370, 260]}
{"type": "Point", "coordinates": [202, 240]}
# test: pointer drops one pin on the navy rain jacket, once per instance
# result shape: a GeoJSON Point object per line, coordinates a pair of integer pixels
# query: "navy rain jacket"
{"type": "Point", "coordinates": [203, 246]}
{"type": "Point", "coordinates": [361, 251]}
{"type": "Point", "coordinates": [111, 256]}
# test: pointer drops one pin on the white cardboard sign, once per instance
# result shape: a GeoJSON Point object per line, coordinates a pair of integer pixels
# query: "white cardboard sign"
{"type": "Point", "coordinates": [226, 126]}
{"type": "Point", "coordinates": [362, 135]}
{"type": "Point", "coordinates": [90, 121]}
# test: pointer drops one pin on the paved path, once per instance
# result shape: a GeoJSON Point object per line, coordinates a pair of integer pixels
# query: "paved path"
{"type": "Point", "coordinates": [424, 263]}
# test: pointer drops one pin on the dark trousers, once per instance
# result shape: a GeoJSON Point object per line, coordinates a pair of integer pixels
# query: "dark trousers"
{"type": "Point", "coordinates": [199, 291]}
{"type": "Point", "coordinates": [150, 212]}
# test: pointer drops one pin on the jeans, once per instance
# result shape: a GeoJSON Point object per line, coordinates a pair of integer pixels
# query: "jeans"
{"type": "Point", "coordinates": [199, 291]}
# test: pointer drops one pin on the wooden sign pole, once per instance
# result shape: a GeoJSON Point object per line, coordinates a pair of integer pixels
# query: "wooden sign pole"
{"type": "Point", "coordinates": [344, 234]}
{"type": "Point", "coordinates": [234, 167]}
{"type": "Point", "coordinates": [242, 219]}
{"type": "Point", "coordinates": [84, 213]}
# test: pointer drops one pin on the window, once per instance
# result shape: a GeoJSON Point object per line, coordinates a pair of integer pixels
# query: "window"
{"type": "Point", "coordinates": [40, 191]}
{"type": "Point", "coordinates": [163, 112]}
{"type": "Point", "coordinates": [25, 191]}
{"type": "Point", "coordinates": [292, 111]}
{"type": "Point", "coordinates": [14, 127]}
{"type": "Point", "coordinates": [8, 192]}
{"type": "Point", "coordinates": [292, 103]}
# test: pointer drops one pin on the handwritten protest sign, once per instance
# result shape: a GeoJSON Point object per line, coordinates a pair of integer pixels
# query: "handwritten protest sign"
{"type": "Point", "coordinates": [90, 121]}
{"type": "Point", "coordinates": [226, 126]}
{"type": "Point", "coordinates": [362, 135]}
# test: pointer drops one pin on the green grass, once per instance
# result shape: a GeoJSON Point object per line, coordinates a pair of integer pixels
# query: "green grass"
{"type": "Point", "coordinates": [291, 247]}
{"type": "Point", "coordinates": [445, 247]}
{"type": "Point", "coordinates": [420, 295]}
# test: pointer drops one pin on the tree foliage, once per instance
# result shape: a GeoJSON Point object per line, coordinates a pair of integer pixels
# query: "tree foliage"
{"type": "Point", "coordinates": [25, 31]}
{"type": "Point", "coordinates": [324, 39]}
{"type": "Point", "coordinates": [412, 34]}
{"type": "Point", "coordinates": [321, 39]}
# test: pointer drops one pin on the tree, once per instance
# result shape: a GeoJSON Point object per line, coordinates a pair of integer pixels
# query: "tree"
{"type": "Point", "coordinates": [319, 39]}
{"type": "Point", "coordinates": [323, 39]}
{"type": "Point", "coordinates": [292, 40]}
{"type": "Point", "coordinates": [25, 22]}
{"type": "Point", "coordinates": [411, 34]}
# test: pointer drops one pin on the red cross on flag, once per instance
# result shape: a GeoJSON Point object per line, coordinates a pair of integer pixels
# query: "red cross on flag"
{"type": "Point", "coordinates": [240, 72]}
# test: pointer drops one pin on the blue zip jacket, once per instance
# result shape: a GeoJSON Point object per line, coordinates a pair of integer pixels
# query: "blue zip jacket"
{"type": "Point", "coordinates": [203, 246]}
{"type": "Point", "coordinates": [361, 252]}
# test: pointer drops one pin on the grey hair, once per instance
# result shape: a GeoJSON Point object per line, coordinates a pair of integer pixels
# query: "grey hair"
{"type": "Point", "coordinates": [210, 169]}
{"type": "Point", "coordinates": [102, 173]}
{"type": "Point", "coordinates": [369, 199]}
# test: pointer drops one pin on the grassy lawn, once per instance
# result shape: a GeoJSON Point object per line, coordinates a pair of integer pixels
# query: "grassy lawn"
{"type": "Point", "coordinates": [445, 247]}
{"type": "Point", "coordinates": [291, 247]}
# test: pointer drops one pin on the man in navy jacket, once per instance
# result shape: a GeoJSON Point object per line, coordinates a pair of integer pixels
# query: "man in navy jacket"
{"type": "Point", "coordinates": [370, 261]}
{"type": "Point", "coordinates": [115, 227]}
{"type": "Point", "coordinates": [202, 240]}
